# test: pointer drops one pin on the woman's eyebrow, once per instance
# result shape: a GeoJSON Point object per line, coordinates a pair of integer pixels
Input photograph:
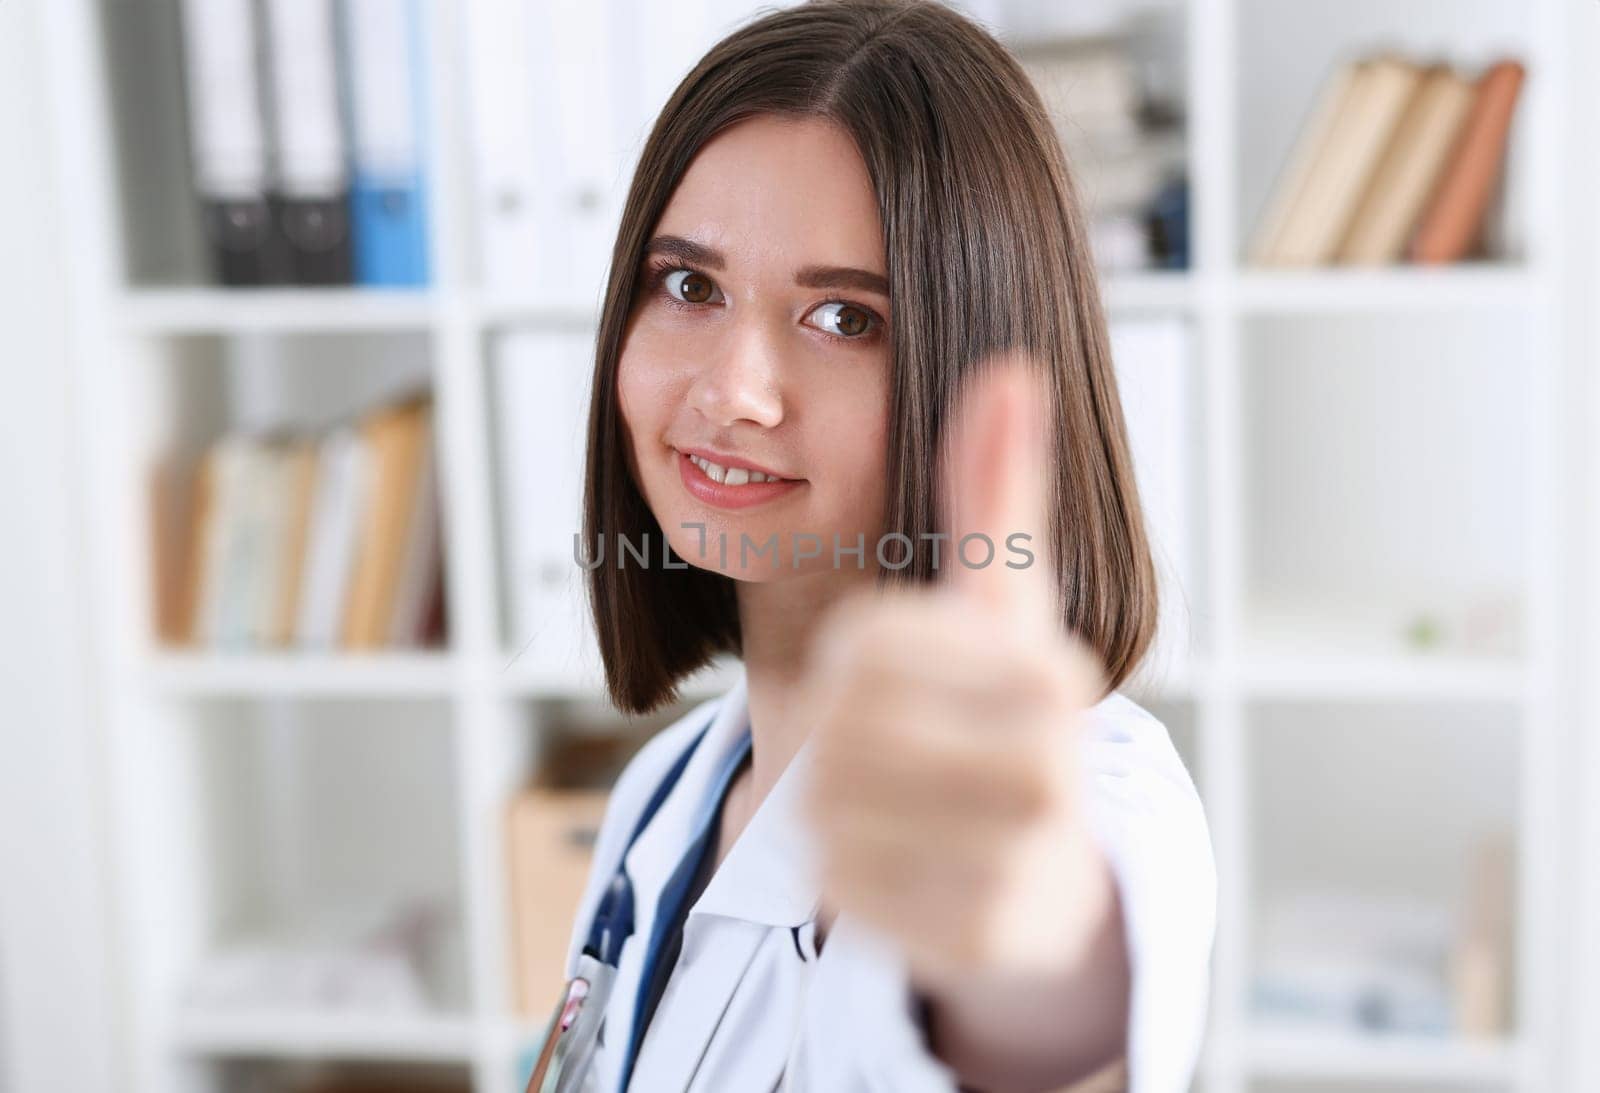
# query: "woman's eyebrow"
{"type": "Point", "coordinates": [676, 246]}
{"type": "Point", "coordinates": [842, 277]}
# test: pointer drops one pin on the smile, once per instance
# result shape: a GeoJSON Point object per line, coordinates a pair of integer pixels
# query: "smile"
{"type": "Point", "coordinates": [732, 476]}
{"type": "Point", "coordinates": [725, 486]}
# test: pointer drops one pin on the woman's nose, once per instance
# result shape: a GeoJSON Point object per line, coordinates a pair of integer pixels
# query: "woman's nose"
{"type": "Point", "coordinates": [740, 380]}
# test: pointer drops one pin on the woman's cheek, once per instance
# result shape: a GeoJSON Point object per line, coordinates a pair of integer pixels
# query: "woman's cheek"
{"type": "Point", "coordinates": [859, 451]}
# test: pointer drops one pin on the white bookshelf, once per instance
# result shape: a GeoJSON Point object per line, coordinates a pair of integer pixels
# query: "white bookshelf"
{"type": "Point", "coordinates": [133, 340]}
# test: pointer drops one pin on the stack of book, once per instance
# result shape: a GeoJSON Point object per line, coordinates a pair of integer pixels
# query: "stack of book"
{"type": "Point", "coordinates": [317, 541]}
{"type": "Point", "coordinates": [306, 139]}
{"type": "Point", "coordinates": [1399, 161]}
{"type": "Point", "coordinates": [1124, 145]}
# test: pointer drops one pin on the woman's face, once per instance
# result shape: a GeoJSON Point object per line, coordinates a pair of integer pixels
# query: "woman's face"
{"type": "Point", "coordinates": [754, 375]}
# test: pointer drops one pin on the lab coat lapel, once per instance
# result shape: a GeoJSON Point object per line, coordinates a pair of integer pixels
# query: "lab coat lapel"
{"type": "Point", "coordinates": [677, 1038]}
{"type": "Point", "coordinates": [766, 881]}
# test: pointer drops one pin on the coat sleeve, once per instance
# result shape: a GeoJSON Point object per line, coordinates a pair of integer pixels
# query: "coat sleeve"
{"type": "Point", "coordinates": [862, 1029]}
{"type": "Point", "coordinates": [1149, 822]}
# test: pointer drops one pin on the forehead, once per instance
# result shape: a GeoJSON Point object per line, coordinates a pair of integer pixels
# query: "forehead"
{"type": "Point", "coordinates": [790, 189]}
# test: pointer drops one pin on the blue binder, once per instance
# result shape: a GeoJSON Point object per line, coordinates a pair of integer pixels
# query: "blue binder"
{"type": "Point", "coordinates": [386, 94]}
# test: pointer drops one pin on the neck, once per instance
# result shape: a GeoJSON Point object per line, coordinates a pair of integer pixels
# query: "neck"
{"type": "Point", "coordinates": [777, 621]}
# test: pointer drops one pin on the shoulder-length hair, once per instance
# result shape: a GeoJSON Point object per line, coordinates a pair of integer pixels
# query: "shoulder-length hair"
{"type": "Point", "coordinates": [987, 250]}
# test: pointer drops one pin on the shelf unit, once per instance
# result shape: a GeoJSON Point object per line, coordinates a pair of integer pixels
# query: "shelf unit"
{"type": "Point", "coordinates": [486, 696]}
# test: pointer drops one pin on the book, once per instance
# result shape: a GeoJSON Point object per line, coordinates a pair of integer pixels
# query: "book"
{"type": "Point", "coordinates": [395, 437]}
{"type": "Point", "coordinates": [421, 555]}
{"type": "Point", "coordinates": [1367, 117]}
{"type": "Point", "coordinates": [301, 475]}
{"type": "Point", "coordinates": [384, 97]}
{"type": "Point", "coordinates": [174, 492]}
{"type": "Point", "coordinates": [1308, 150]}
{"type": "Point", "coordinates": [221, 600]}
{"type": "Point", "coordinates": [269, 502]}
{"type": "Point", "coordinates": [227, 138]}
{"type": "Point", "coordinates": [342, 477]}
{"type": "Point", "coordinates": [309, 184]}
{"type": "Point", "coordinates": [1408, 169]}
{"type": "Point", "coordinates": [1453, 220]}
{"type": "Point", "coordinates": [196, 553]}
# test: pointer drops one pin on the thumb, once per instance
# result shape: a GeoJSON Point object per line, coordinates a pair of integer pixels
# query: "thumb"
{"type": "Point", "coordinates": [999, 465]}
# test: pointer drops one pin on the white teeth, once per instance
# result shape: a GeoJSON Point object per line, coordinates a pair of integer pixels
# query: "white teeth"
{"type": "Point", "coordinates": [731, 476]}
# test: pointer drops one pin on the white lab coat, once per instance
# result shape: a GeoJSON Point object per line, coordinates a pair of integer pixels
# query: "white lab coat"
{"type": "Point", "coordinates": [742, 1011]}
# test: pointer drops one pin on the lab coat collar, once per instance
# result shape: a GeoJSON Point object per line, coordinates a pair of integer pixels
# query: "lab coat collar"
{"type": "Point", "coordinates": [660, 846]}
{"type": "Point", "coordinates": [769, 874]}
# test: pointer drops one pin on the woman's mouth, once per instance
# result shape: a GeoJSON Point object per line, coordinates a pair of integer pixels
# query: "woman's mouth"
{"type": "Point", "coordinates": [729, 485]}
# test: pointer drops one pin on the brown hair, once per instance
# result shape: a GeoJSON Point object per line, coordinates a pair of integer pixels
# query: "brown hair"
{"type": "Point", "coordinates": [987, 250]}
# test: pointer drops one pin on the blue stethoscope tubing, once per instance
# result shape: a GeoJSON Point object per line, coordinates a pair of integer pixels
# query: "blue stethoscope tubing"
{"type": "Point", "coordinates": [574, 1027]}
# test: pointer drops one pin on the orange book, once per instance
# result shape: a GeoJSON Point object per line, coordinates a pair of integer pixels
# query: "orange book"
{"type": "Point", "coordinates": [202, 512]}
{"type": "Point", "coordinates": [395, 437]}
{"type": "Point", "coordinates": [1452, 223]}
{"type": "Point", "coordinates": [174, 485]}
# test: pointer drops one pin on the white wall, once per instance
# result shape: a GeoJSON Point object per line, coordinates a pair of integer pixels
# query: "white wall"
{"type": "Point", "coordinates": [56, 993]}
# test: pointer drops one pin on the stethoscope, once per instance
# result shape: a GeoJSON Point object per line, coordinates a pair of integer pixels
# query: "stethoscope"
{"type": "Point", "coordinates": [574, 1026]}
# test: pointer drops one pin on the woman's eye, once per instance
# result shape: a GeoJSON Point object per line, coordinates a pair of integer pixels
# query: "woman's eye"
{"type": "Point", "coordinates": [844, 320]}
{"type": "Point", "coordinates": [690, 287]}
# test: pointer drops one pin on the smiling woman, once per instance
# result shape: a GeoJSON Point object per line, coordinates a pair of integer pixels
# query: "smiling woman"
{"type": "Point", "coordinates": [839, 215]}
{"type": "Point", "coordinates": [852, 367]}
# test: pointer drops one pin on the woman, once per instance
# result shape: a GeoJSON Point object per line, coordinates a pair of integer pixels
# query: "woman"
{"type": "Point", "coordinates": [852, 366]}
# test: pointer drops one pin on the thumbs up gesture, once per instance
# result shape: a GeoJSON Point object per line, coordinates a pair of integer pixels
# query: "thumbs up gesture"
{"type": "Point", "coordinates": [944, 791]}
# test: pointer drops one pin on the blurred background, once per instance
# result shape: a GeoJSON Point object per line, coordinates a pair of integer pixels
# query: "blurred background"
{"type": "Point", "coordinates": [302, 730]}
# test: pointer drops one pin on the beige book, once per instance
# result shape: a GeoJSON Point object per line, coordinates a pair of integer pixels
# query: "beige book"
{"type": "Point", "coordinates": [302, 475]}
{"type": "Point", "coordinates": [1291, 183]}
{"type": "Point", "coordinates": [1409, 169]}
{"type": "Point", "coordinates": [269, 500]}
{"type": "Point", "coordinates": [395, 438]}
{"type": "Point", "coordinates": [1312, 236]}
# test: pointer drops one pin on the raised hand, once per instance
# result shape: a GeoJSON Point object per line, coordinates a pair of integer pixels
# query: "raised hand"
{"type": "Point", "coordinates": [945, 787]}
